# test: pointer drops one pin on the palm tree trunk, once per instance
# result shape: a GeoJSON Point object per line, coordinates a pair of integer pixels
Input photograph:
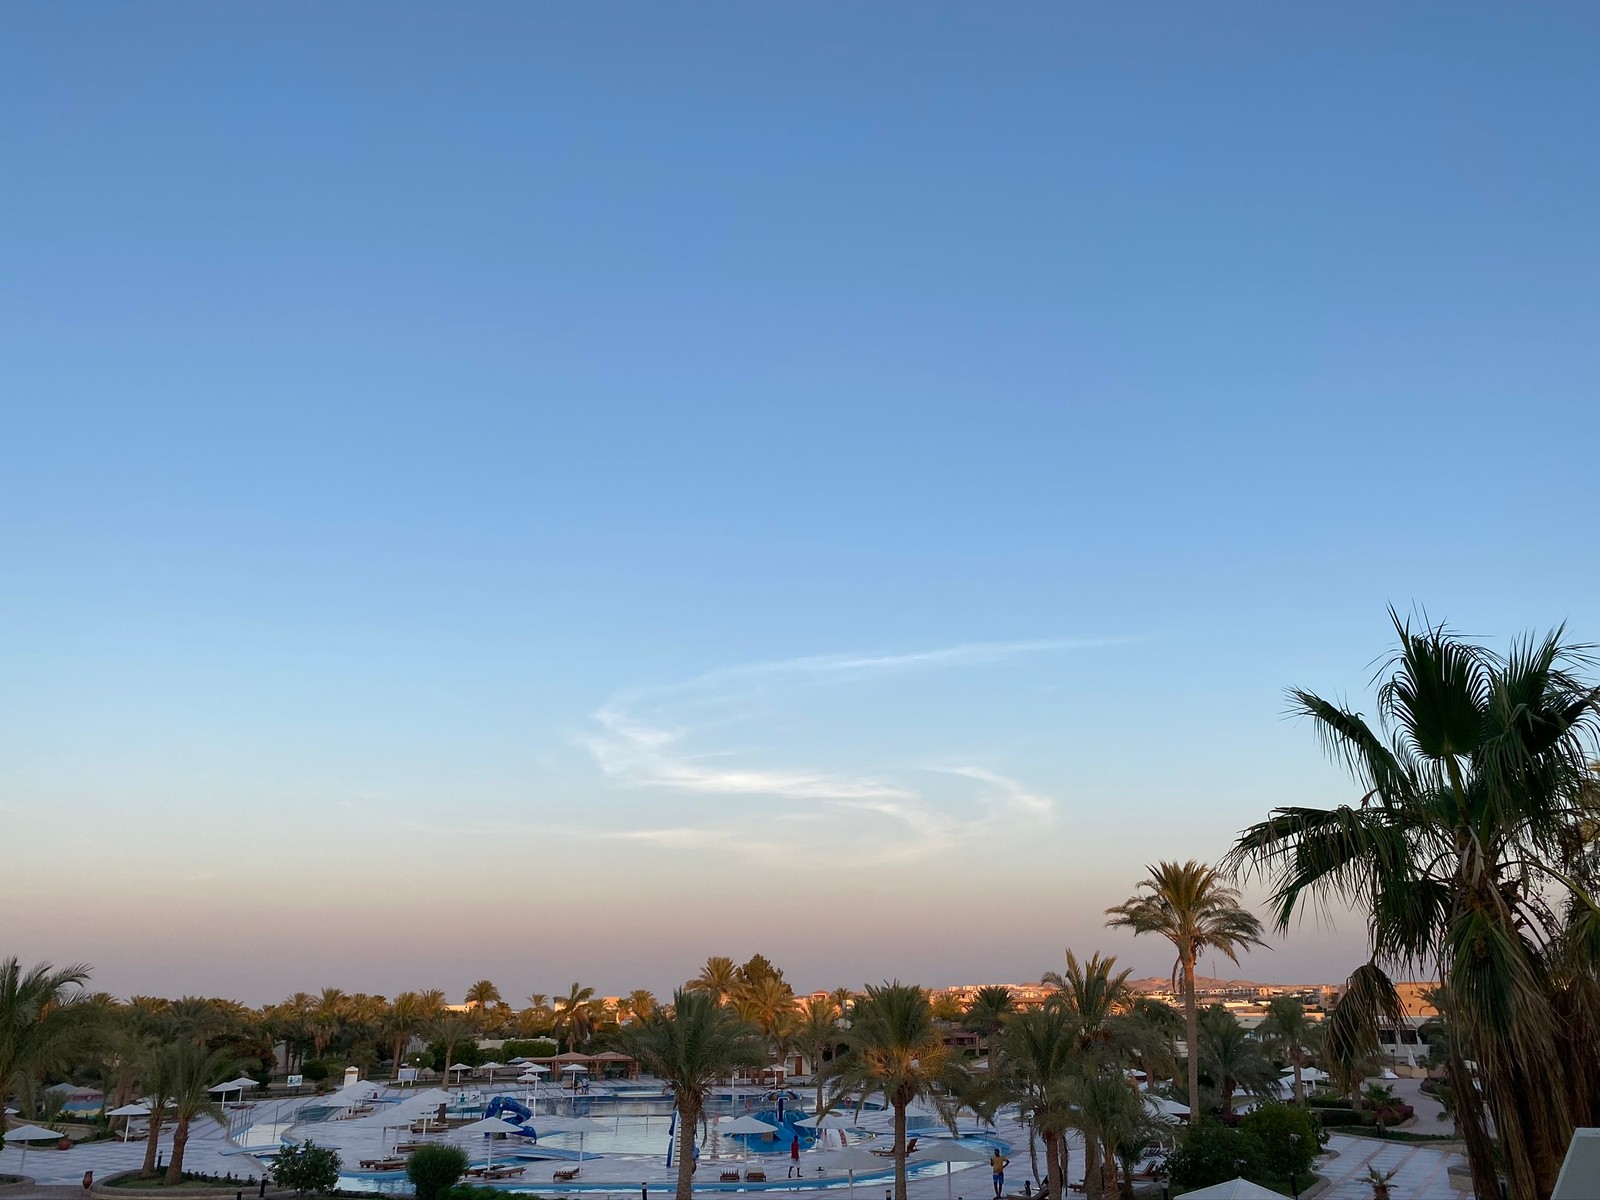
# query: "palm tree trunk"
{"type": "Point", "coordinates": [688, 1122]}
{"type": "Point", "coordinates": [899, 1151]}
{"type": "Point", "coordinates": [1469, 1117]}
{"type": "Point", "coordinates": [148, 1171]}
{"type": "Point", "coordinates": [1093, 1184]}
{"type": "Point", "coordinates": [1064, 1149]}
{"type": "Point", "coordinates": [1191, 1033]}
{"type": "Point", "coordinates": [1299, 1081]}
{"type": "Point", "coordinates": [180, 1139]}
{"type": "Point", "coordinates": [1052, 1166]}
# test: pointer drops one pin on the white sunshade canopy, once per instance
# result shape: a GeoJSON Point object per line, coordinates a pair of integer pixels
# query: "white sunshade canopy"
{"type": "Point", "coordinates": [243, 1083]}
{"type": "Point", "coordinates": [1580, 1171]}
{"type": "Point", "coordinates": [32, 1133]}
{"type": "Point", "coordinates": [491, 1066]}
{"type": "Point", "coordinates": [1165, 1107]}
{"type": "Point", "coordinates": [826, 1121]}
{"type": "Point", "coordinates": [130, 1110]}
{"type": "Point", "coordinates": [574, 1069]}
{"type": "Point", "coordinates": [948, 1150]}
{"type": "Point", "coordinates": [1235, 1189]}
{"type": "Point", "coordinates": [853, 1158]}
{"type": "Point", "coordinates": [746, 1125]}
{"type": "Point", "coordinates": [534, 1069]}
{"type": "Point", "coordinates": [490, 1125]}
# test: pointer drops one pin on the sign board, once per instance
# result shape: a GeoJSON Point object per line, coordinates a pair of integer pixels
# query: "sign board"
{"type": "Point", "coordinates": [408, 1074]}
{"type": "Point", "coordinates": [294, 1081]}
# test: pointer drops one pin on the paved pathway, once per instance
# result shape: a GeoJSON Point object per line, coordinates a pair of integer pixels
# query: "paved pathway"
{"type": "Point", "coordinates": [1420, 1170]}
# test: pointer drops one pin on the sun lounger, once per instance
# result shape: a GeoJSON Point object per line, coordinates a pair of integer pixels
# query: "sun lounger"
{"type": "Point", "coordinates": [730, 1177]}
{"type": "Point", "coordinates": [888, 1151]}
{"type": "Point", "coordinates": [395, 1163]}
{"type": "Point", "coordinates": [505, 1172]}
{"type": "Point", "coordinates": [755, 1175]}
{"type": "Point", "coordinates": [404, 1147]}
{"type": "Point", "coordinates": [566, 1174]}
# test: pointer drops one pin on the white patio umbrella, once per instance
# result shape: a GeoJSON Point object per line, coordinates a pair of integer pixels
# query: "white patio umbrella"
{"type": "Point", "coordinates": [1235, 1189]}
{"type": "Point", "coordinates": [31, 1133]}
{"type": "Point", "coordinates": [747, 1125]}
{"type": "Point", "coordinates": [948, 1151]}
{"type": "Point", "coordinates": [578, 1125]}
{"type": "Point", "coordinates": [1580, 1170]}
{"type": "Point", "coordinates": [852, 1159]}
{"type": "Point", "coordinates": [1164, 1107]}
{"type": "Point", "coordinates": [489, 1126]}
{"type": "Point", "coordinates": [129, 1110]}
{"type": "Point", "coordinates": [1387, 1074]}
{"type": "Point", "coordinates": [491, 1067]}
{"type": "Point", "coordinates": [825, 1122]}
{"type": "Point", "coordinates": [235, 1085]}
{"type": "Point", "coordinates": [535, 1069]}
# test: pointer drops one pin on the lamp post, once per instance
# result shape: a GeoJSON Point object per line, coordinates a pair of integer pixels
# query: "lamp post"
{"type": "Point", "coordinates": [1294, 1167]}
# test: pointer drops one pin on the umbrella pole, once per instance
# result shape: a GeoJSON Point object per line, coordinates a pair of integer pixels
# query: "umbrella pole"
{"type": "Point", "coordinates": [947, 1168]}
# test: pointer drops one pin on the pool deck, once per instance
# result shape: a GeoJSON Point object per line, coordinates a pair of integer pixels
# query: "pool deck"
{"type": "Point", "coordinates": [1421, 1169]}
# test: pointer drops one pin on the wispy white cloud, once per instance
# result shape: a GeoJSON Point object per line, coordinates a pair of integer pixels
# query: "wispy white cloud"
{"type": "Point", "coordinates": [657, 737]}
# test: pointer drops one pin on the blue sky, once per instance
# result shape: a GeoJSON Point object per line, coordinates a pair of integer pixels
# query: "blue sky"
{"type": "Point", "coordinates": [594, 487]}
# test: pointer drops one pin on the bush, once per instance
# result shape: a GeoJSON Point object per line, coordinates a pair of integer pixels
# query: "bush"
{"type": "Point", "coordinates": [1334, 1117]}
{"type": "Point", "coordinates": [435, 1170]}
{"type": "Point", "coordinates": [1212, 1153]}
{"type": "Point", "coordinates": [1290, 1139]}
{"type": "Point", "coordinates": [465, 1053]}
{"type": "Point", "coordinates": [529, 1048]}
{"type": "Point", "coordinates": [307, 1167]}
{"type": "Point", "coordinates": [315, 1070]}
{"type": "Point", "coordinates": [471, 1191]}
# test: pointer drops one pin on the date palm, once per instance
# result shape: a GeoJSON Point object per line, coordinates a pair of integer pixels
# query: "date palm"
{"type": "Point", "coordinates": [817, 1036]}
{"type": "Point", "coordinates": [988, 1012]}
{"type": "Point", "coordinates": [192, 1071]}
{"type": "Point", "coordinates": [894, 1049]}
{"type": "Point", "coordinates": [453, 1029]}
{"type": "Point", "coordinates": [155, 1073]}
{"type": "Point", "coordinates": [718, 978]}
{"type": "Point", "coordinates": [1470, 851]}
{"type": "Point", "coordinates": [483, 994]}
{"type": "Point", "coordinates": [1291, 1033]}
{"type": "Point", "coordinates": [1191, 906]}
{"type": "Point", "coordinates": [1231, 1057]}
{"type": "Point", "coordinates": [1035, 1064]}
{"type": "Point", "coordinates": [407, 1017]}
{"type": "Point", "coordinates": [640, 1003]}
{"type": "Point", "coordinates": [690, 1048]}
{"type": "Point", "coordinates": [575, 1015]}
{"type": "Point", "coordinates": [42, 1022]}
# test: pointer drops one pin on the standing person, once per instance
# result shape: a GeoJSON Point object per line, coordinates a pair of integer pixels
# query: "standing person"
{"type": "Point", "coordinates": [997, 1167]}
{"type": "Point", "coordinates": [794, 1158]}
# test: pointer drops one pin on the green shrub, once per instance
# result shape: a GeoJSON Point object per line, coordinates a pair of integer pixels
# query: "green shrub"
{"type": "Point", "coordinates": [315, 1070]}
{"type": "Point", "coordinates": [465, 1053]}
{"type": "Point", "coordinates": [435, 1170]}
{"type": "Point", "coordinates": [529, 1048]}
{"type": "Point", "coordinates": [1290, 1138]}
{"type": "Point", "coordinates": [307, 1167]}
{"type": "Point", "coordinates": [1335, 1117]}
{"type": "Point", "coordinates": [1213, 1153]}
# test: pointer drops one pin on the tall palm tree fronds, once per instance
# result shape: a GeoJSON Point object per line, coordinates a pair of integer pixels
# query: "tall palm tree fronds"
{"type": "Point", "coordinates": [1192, 906]}
{"type": "Point", "coordinates": [42, 1022]}
{"type": "Point", "coordinates": [894, 1049]}
{"type": "Point", "coordinates": [1470, 850]}
{"type": "Point", "coordinates": [689, 1048]}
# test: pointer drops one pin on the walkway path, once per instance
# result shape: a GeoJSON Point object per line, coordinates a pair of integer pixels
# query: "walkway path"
{"type": "Point", "coordinates": [1420, 1170]}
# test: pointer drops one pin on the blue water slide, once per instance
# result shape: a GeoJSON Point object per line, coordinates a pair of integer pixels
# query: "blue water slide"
{"type": "Point", "coordinates": [788, 1131]}
{"type": "Point", "coordinates": [501, 1105]}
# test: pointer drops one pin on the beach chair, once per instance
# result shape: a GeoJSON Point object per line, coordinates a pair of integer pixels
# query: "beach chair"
{"type": "Point", "coordinates": [755, 1175]}
{"type": "Point", "coordinates": [730, 1177]}
{"type": "Point", "coordinates": [566, 1174]}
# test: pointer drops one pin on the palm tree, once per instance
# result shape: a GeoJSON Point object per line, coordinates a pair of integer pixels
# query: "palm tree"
{"type": "Point", "coordinates": [1231, 1057]}
{"type": "Point", "coordinates": [817, 1036]}
{"type": "Point", "coordinates": [1036, 1063]}
{"type": "Point", "coordinates": [893, 1048]}
{"type": "Point", "coordinates": [41, 1022]}
{"type": "Point", "coordinates": [453, 1029]}
{"type": "Point", "coordinates": [407, 1017]}
{"type": "Point", "coordinates": [482, 994]}
{"type": "Point", "coordinates": [155, 1072]}
{"type": "Point", "coordinates": [845, 999]}
{"type": "Point", "coordinates": [640, 1003]}
{"type": "Point", "coordinates": [327, 1018]}
{"type": "Point", "coordinates": [1288, 1031]}
{"type": "Point", "coordinates": [1189, 905]}
{"type": "Point", "coordinates": [1471, 850]}
{"type": "Point", "coordinates": [575, 1015]}
{"type": "Point", "coordinates": [690, 1048]}
{"type": "Point", "coordinates": [193, 1071]}
{"type": "Point", "coordinates": [990, 1008]}
{"type": "Point", "coordinates": [718, 978]}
